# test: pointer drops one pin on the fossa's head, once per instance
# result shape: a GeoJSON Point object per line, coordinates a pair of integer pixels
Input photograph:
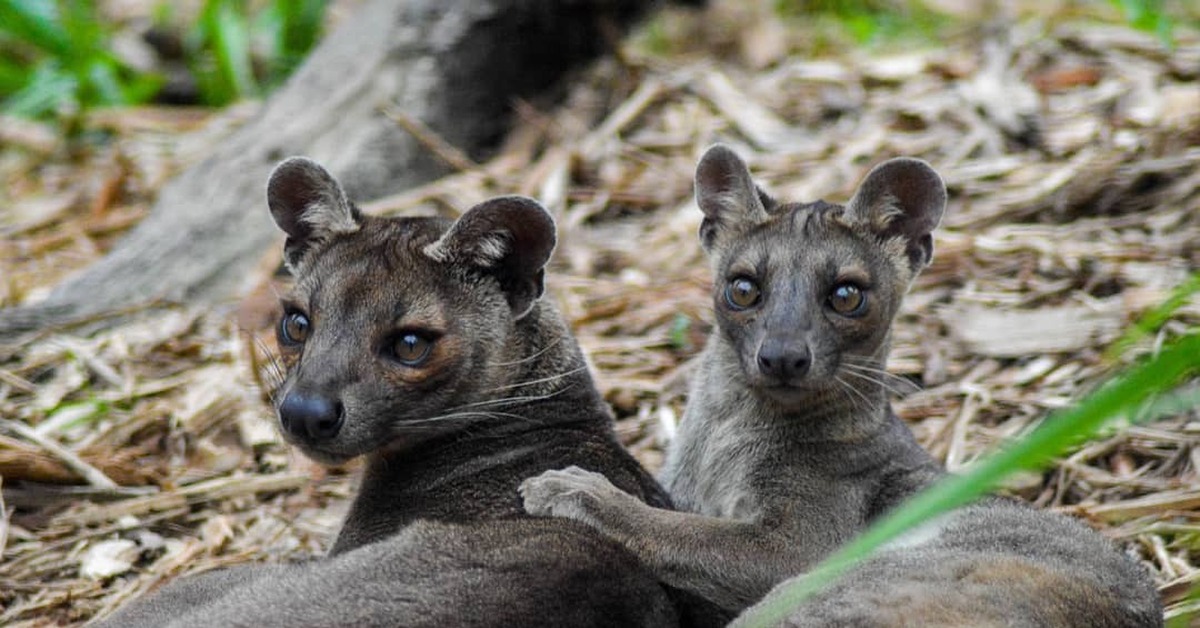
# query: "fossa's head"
{"type": "Point", "coordinates": [805, 293]}
{"type": "Point", "coordinates": [397, 328]}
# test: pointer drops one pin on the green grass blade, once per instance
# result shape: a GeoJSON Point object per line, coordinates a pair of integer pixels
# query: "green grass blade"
{"type": "Point", "coordinates": [1122, 396]}
{"type": "Point", "coordinates": [231, 45]}
{"type": "Point", "coordinates": [35, 22]}
{"type": "Point", "coordinates": [1186, 614]}
{"type": "Point", "coordinates": [49, 88]}
{"type": "Point", "coordinates": [1147, 15]}
{"type": "Point", "coordinates": [300, 23]}
{"type": "Point", "coordinates": [103, 84]}
{"type": "Point", "coordinates": [1152, 320]}
{"type": "Point", "coordinates": [57, 60]}
{"type": "Point", "coordinates": [13, 76]}
{"type": "Point", "coordinates": [141, 87]}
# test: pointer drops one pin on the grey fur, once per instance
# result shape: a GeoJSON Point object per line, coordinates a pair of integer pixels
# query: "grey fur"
{"type": "Point", "coordinates": [436, 535]}
{"type": "Point", "coordinates": [779, 465]}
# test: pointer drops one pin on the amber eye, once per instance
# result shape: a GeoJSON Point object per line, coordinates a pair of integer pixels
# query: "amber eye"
{"type": "Point", "coordinates": [293, 328]}
{"type": "Point", "coordinates": [742, 293]}
{"type": "Point", "coordinates": [848, 299]}
{"type": "Point", "coordinates": [411, 349]}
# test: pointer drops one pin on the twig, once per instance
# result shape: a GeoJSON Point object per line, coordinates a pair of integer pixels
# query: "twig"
{"type": "Point", "coordinates": [428, 138]}
{"type": "Point", "coordinates": [212, 490]}
{"type": "Point", "coordinates": [3, 519]}
{"type": "Point", "coordinates": [16, 381]}
{"type": "Point", "coordinates": [1154, 504]}
{"type": "Point", "coordinates": [649, 92]}
{"type": "Point", "coordinates": [91, 474]}
{"type": "Point", "coordinates": [956, 452]}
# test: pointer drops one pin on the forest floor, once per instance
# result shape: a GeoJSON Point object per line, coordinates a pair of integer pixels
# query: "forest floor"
{"type": "Point", "coordinates": [1071, 152]}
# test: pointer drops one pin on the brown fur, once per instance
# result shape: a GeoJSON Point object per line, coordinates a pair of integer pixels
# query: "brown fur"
{"type": "Point", "coordinates": [436, 535]}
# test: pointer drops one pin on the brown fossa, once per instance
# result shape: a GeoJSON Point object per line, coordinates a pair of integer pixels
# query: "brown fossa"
{"type": "Point", "coordinates": [422, 345]}
{"type": "Point", "coordinates": [789, 447]}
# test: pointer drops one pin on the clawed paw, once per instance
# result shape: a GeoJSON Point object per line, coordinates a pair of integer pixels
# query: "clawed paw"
{"type": "Point", "coordinates": [570, 493]}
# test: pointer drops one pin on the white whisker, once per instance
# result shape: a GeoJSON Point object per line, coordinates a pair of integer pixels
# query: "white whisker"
{"type": "Point", "coordinates": [466, 415]}
{"type": "Point", "coordinates": [507, 401]}
{"type": "Point", "coordinates": [847, 387]}
{"type": "Point", "coordinates": [899, 385]}
{"type": "Point", "coordinates": [533, 356]}
{"type": "Point", "coordinates": [873, 380]}
{"type": "Point", "coordinates": [542, 380]}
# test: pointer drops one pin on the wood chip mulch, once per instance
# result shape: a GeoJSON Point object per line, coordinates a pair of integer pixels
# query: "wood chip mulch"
{"type": "Point", "coordinates": [1072, 155]}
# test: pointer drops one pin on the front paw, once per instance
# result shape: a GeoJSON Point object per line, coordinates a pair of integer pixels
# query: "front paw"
{"type": "Point", "coordinates": [572, 493]}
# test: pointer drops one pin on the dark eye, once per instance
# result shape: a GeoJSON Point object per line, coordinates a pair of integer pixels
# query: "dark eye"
{"type": "Point", "coordinates": [848, 299]}
{"type": "Point", "coordinates": [742, 293]}
{"type": "Point", "coordinates": [411, 349]}
{"type": "Point", "coordinates": [293, 328]}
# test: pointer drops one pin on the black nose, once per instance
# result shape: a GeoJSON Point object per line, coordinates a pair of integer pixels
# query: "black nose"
{"type": "Point", "coordinates": [310, 417]}
{"type": "Point", "coordinates": [784, 360]}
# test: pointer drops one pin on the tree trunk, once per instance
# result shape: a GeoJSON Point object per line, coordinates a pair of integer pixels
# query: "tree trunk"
{"type": "Point", "coordinates": [454, 65]}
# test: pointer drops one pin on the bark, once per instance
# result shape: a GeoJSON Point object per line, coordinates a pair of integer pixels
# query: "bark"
{"type": "Point", "coordinates": [454, 65]}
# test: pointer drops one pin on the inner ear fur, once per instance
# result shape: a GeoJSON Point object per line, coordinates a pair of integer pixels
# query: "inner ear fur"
{"type": "Point", "coordinates": [726, 193]}
{"type": "Point", "coordinates": [509, 237]}
{"type": "Point", "coordinates": [309, 205]}
{"type": "Point", "coordinates": [902, 197]}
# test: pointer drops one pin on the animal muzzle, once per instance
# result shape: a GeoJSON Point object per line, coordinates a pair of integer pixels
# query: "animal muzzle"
{"type": "Point", "coordinates": [784, 360]}
{"type": "Point", "coordinates": [311, 418]}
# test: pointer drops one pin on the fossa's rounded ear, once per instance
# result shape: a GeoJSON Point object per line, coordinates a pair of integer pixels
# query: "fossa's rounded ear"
{"type": "Point", "coordinates": [309, 205]}
{"type": "Point", "coordinates": [902, 197]}
{"type": "Point", "coordinates": [510, 237]}
{"type": "Point", "coordinates": [726, 194]}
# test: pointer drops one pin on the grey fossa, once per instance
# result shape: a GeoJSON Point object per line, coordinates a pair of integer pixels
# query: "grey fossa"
{"type": "Point", "coordinates": [789, 447]}
{"type": "Point", "coordinates": [421, 344]}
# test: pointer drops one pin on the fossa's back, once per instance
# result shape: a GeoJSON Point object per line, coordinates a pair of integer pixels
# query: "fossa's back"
{"type": "Point", "coordinates": [997, 563]}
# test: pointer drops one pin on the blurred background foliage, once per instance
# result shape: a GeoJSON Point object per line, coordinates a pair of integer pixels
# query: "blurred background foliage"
{"type": "Point", "coordinates": [59, 58]}
{"type": "Point", "coordinates": [817, 27]}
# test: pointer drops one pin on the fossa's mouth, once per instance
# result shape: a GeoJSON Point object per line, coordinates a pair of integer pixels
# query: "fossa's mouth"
{"type": "Point", "coordinates": [325, 457]}
{"type": "Point", "coordinates": [792, 394]}
{"type": "Point", "coordinates": [324, 453]}
{"type": "Point", "coordinates": [347, 447]}
{"type": "Point", "coordinates": [786, 393]}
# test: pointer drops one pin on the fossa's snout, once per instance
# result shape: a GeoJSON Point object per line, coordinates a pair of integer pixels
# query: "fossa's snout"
{"type": "Point", "coordinates": [311, 418]}
{"type": "Point", "coordinates": [784, 360]}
